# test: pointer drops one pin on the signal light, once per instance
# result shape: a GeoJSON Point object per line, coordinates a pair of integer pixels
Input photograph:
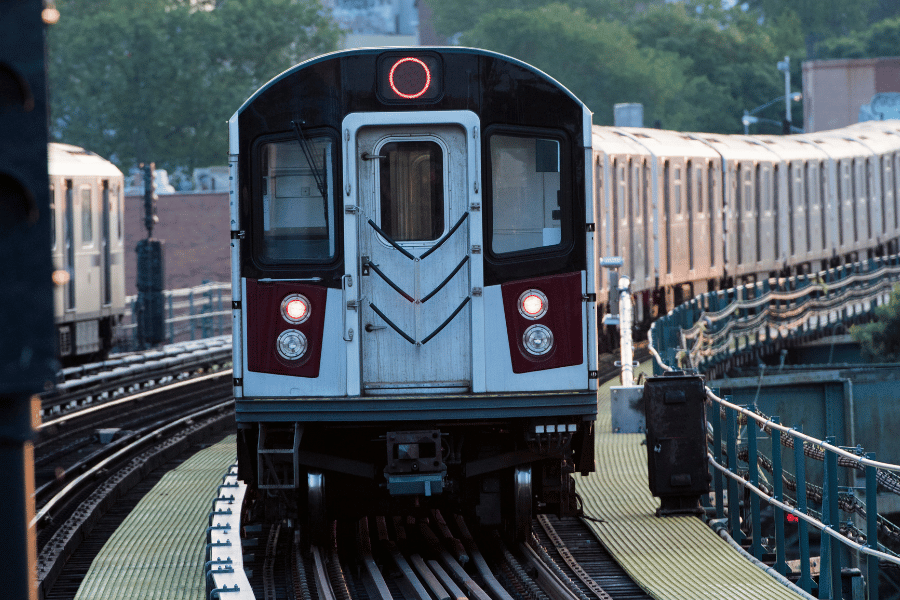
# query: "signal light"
{"type": "Point", "coordinates": [533, 304]}
{"type": "Point", "coordinates": [295, 308]}
{"type": "Point", "coordinates": [538, 340]}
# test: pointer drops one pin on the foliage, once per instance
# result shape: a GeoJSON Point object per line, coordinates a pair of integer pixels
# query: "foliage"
{"type": "Point", "coordinates": [598, 61]}
{"type": "Point", "coordinates": [456, 16]}
{"type": "Point", "coordinates": [881, 39]}
{"type": "Point", "coordinates": [157, 80]}
{"type": "Point", "coordinates": [880, 339]}
{"type": "Point", "coordinates": [729, 58]}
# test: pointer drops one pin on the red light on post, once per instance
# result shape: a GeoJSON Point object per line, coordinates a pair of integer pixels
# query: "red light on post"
{"type": "Point", "coordinates": [411, 72]}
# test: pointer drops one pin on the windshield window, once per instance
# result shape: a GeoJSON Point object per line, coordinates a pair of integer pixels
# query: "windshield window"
{"type": "Point", "coordinates": [525, 186]}
{"type": "Point", "coordinates": [297, 219]}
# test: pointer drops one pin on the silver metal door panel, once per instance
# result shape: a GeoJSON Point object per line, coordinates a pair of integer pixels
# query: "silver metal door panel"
{"type": "Point", "coordinates": [394, 362]}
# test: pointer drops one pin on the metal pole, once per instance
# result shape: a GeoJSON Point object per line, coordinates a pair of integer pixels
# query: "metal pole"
{"type": "Point", "coordinates": [785, 67]}
{"type": "Point", "coordinates": [871, 529]}
{"type": "Point", "coordinates": [626, 319]}
{"type": "Point", "coordinates": [778, 480]}
{"type": "Point", "coordinates": [806, 581]}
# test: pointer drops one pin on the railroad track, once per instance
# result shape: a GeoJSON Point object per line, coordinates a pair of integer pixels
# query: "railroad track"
{"type": "Point", "coordinates": [95, 451]}
{"type": "Point", "coordinates": [430, 557]}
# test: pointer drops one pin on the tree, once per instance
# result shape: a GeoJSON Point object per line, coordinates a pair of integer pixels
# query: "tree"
{"type": "Point", "coordinates": [881, 39]}
{"type": "Point", "coordinates": [157, 80]}
{"type": "Point", "coordinates": [820, 19]}
{"type": "Point", "coordinates": [730, 57]}
{"type": "Point", "coordinates": [599, 61]}
{"type": "Point", "coordinates": [880, 340]}
{"type": "Point", "coordinates": [458, 16]}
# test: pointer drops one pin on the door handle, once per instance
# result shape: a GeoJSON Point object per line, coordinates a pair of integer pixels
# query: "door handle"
{"type": "Point", "coordinates": [370, 328]}
{"type": "Point", "coordinates": [347, 282]}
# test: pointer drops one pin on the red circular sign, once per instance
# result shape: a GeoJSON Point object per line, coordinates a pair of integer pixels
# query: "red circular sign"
{"type": "Point", "coordinates": [412, 75]}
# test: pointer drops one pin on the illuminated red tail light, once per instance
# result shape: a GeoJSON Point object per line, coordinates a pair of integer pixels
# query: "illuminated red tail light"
{"type": "Point", "coordinates": [295, 308]}
{"type": "Point", "coordinates": [532, 304]}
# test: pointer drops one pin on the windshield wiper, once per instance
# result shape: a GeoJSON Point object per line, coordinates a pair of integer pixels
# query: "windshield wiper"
{"type": "Point", "coordinates": [321, 182]}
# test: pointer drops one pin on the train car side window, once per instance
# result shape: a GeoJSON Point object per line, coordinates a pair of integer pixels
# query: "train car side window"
{"type": "Point", "coordinates": [412, 190]}
{"type": "Point", "coordinates": [87, 217]}
{"type": "Point", "coordinates": [297, 220]}
{"type": "Point", "coordinates": [526, 211]}
{"type": "Point", "coordinates": [120, 202]}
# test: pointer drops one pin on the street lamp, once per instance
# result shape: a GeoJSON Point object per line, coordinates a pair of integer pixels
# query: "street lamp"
{"type": "Point", "coordinates": [785, 67]}
{"type": "Point", "coordinates": [748, 118]}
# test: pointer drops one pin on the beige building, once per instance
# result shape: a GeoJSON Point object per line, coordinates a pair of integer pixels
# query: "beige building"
{"type": "Point", "coordinates": [834, 91]}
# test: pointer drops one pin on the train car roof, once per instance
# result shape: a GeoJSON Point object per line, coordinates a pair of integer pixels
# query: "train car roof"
{"type": "Point", "coordinates": [664, 142]}
{"type": "Point", "coordinates": [65, 159]}
{"type": "Point", "coordinates": [442, 49]}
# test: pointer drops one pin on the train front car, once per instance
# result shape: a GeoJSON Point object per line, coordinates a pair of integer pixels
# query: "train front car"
{"type": "Point", "coordinates": [413, 287]}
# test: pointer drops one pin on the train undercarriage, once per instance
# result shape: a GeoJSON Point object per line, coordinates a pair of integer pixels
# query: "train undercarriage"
{"type": "Point", "coordinates": [499, 472]}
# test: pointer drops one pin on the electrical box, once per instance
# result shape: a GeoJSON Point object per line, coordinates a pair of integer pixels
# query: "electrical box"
{"type": "Point", "coordinates": [676, 442]}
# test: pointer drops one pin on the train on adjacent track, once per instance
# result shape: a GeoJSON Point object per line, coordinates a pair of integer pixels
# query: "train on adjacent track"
{"type": "Point", "coordinates": [87, 243]}
{"type": "Point", "coordinates": [696, 212]}
{"type": "Point", "coordinates": [416, 247]}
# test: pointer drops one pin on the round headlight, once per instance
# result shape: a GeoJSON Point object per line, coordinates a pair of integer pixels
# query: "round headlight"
{"type": "Point", "coordinates": [533, 304]}
{"type": "Point", "coordinates": [291, 344]}
{"type": "Point", "coordinates": [295, 308]}
{"type": "Point", "coordinates": [538, 340]}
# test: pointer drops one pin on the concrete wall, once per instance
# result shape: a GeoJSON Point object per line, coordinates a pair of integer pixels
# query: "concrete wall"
{"type": "Point", "coordinates": [833, 90]}
{"type": "Point", "coordinates": [196, 231]}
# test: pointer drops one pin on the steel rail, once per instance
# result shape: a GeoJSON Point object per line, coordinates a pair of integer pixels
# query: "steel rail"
{"type": "Point", "coordinates": [132, 398]}
{"type": "Point", "coordinates": [78, 481]}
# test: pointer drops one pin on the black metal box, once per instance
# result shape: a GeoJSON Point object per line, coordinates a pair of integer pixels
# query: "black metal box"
{"type": "Point", "coordinates": [676, 442]}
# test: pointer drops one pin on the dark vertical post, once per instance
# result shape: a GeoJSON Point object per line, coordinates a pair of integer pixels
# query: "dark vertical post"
{"type": "Point", "coordinates": [734, 503]}
{"type": "Point", "coordinates": [778, 481]}
{"type": "Point", "coordinates": [27, 352]}
{"type": "Point", "coordinates": [871, 528]}
{"type": "Point", "coordinates": [717, 454]}
{"type": "Point", "coordinates": [806, 581]}
{"type": "Point", "coordinates": [756, 547]}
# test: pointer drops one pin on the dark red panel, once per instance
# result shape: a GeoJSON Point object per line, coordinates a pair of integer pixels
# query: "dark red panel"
{"type": "Point", "coordinates": [563, 318]}
{"type": "Point", "coordinates": [265, 324]}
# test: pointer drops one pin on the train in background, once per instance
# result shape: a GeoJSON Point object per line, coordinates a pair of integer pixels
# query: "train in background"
{"type": "Point", "coordinates": [413, 288]}
{"type": "Point", "coordinates": [695, 212]}
{"type": "Point", "coordinates": [87, 240]}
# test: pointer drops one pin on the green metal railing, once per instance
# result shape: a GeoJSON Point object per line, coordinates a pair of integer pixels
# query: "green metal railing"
{"type": "Point", "coordinates": [191, 313]}
{"type": "Point", "coordinates": [707, 334]}
{"type": "Point", "coordinates": [712, 330]}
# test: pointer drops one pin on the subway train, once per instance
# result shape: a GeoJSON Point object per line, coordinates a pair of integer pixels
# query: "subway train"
{"type": "Point", "coordinates": [413, 288]}
{"type": "Point", "coordinates": [694, 212]}
{"type": "Point", "coordinates": [87, 241]}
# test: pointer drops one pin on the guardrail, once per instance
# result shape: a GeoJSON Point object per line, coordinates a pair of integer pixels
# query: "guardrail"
{"type": "Point", "coordinates": [190, 313]}
{"type": "Point", "coordinates": [711, 330]}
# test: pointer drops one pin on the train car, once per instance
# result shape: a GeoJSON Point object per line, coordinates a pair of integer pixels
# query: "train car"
{"type": "Point", "coordinates": [87, 239]}
{"type": "Point", "coordinates": [775, 206]}
{"type": "Point", "coordinates": [413, 287]}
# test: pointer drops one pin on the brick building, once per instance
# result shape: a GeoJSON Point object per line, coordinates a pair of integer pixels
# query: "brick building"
{"type": "Point", "coordinates": [196, 230]}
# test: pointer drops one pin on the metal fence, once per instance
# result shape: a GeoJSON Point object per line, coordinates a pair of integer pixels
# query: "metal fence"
{"type": "Point", "coordinates": [190, 313]}
{"type": "Point", "coordinates": [703, 334]}
{"type": "Point", "coordinates": [710, 331]}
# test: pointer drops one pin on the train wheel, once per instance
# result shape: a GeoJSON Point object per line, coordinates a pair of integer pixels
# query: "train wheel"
{"type": "Point", "coordinates": [316, 518]}
{"type": "Point", "coordinates": [522, 502]}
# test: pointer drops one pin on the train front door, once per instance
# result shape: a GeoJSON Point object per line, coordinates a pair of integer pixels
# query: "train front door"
{"type": "Point", "coordinates": [414, 250]}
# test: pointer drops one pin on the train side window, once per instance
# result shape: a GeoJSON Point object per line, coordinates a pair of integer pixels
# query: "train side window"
{"type": "Point", "coordinates": [776, 191]}
{"type": "Point", "coordinates": [297, 212]}
{"type": "Point", "coordinates": [809, 202]}
{"type": "Point", "coordinates": [526, 208]}
{"type": "Point", "coordinates": [870, 174]}
{"type": "Point", "coordinates": [711, 199]}
{"type": "Point", "coordinates": [52, 217]}
{"type": "Point", "coordinates": [676, 190]}
{"type": "Point", "coordinates": [87, 217]}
